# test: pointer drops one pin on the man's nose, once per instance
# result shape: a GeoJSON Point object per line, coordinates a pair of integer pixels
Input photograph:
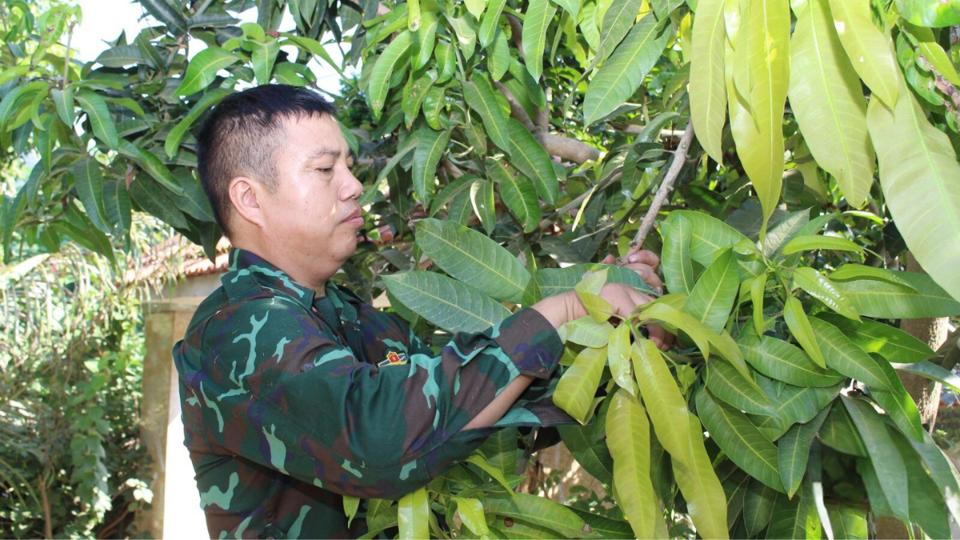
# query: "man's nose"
{"type": "Point", "coordinates": [351, 188]}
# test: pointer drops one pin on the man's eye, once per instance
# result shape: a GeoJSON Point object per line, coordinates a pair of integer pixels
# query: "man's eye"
{"type": "Point", "coordinates": [325, 170]}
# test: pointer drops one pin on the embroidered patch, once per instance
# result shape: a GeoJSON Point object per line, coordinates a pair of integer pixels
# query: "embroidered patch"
{"type": "Point", "coordinates": [394, 359]}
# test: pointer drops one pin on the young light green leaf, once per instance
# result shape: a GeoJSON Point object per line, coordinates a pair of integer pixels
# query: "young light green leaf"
{"type": "Point", "coordinates": [540, 512]}
{"type": "Point", "coordinates": [598, 308]}
{"type": "Point", "coordinates": [517, 193]}
{"type": "Point", "coordinates": [740, 440]}
{"type": "Point", "coordinates": [799, 325]}
{"type": "Point", "coordinates": [623, 72]}
{"type": "Point", "coordinates": [899, 405]}
{"type": "Point", "coordinates": [576, 388]}
{"type": "Point", "coordinates": [628, 437]}
{"type": "Point", "coordinates": [895, 345]}
{"type": "Point", "coordinates": [827, 99]}
{"type": "Point", "coordinates": [490, 23]}
{"type": "Point", "coordinates": [793, 450]}
{"type": "Point", "coordinates": [712, 297]}
{"type": "Point", "coordinates": [99, 116]}
{"type": "Point", "coordinates": [919, 185]}
{"type": "Point", "coordinates": [728, 385]}
{"type": "Point", "coordinates": [473, 258]}
{"type": "Point", "coordinates": [818, 286]}
{"type": "Point", "coordinates": [89, 183]}
{"type": "Point", "coordinates": [203, 69]}
{"type": "Point", "coordinates": [618, 354]}
{"type": "Point", "coordinates": [447, 303]}
{"type": "Point", "coordinates": [429, 150]}
{"type": "Point", "coordinates": [529, 157]}
{"type": "Point", "coordinates": [811, 242]}
{"type": "Point", "coordinates": [413, 512]}
{"type": "Point", "coordinates": [708, 92]}
{"type": "Point", "coordinates": [592, 282]}
{"type": "Point", "coordinates": [263, 58]}
{"type": "Point", "coordinates": [471, 512]}
{"type": "Point", "coordinates": [587, 332]}
{"type": "Point", "coordinates": [681, 435]}
{"type": "Point", "coordinates": [536, 20]}
{"type": "Point", "coordinates": [479, 95]}
{"type": "Point", "coordinates": [869, 49]}
{"type": "Point", "coordinates": [350, 507]}
{"type": "Point", "coordinates": [383, 70]}
{"type": "Point", "coordinates": [842, 355]}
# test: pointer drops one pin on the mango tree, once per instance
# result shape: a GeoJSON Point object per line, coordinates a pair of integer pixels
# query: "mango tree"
{"type": "Point", "coordinates": [508, 146]}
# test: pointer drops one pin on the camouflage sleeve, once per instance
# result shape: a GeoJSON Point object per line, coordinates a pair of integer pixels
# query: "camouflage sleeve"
{"type": "Point", "coordinates": [286, 396]}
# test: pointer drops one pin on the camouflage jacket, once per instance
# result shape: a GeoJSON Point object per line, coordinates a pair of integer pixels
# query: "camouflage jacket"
{"type": "Point", "coordinates": [291, 400]}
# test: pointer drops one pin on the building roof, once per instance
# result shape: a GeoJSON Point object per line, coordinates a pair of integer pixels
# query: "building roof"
{"type": "Point", "coordinates": [177, 258]}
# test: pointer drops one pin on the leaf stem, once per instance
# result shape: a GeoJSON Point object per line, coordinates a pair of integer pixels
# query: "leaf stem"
{"type": "Point", "coordinates": [679, 157]}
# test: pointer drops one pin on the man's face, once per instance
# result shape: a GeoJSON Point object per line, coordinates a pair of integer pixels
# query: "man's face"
{"type": "Point", "coordinates": [313, 213]}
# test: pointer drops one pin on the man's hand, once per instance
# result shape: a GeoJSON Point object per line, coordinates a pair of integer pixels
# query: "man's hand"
{"type": "Point", "coordinates": [565, 307]}
{"type": "Point", "coordinates": [643, 262]}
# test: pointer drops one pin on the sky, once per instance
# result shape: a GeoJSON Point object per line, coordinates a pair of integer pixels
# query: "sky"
{"type": "Point", "coordinates": [105, 19]}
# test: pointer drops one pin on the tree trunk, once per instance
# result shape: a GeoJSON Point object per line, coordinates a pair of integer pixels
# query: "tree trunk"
{"type": "Point", "coordinates": [924, 392]}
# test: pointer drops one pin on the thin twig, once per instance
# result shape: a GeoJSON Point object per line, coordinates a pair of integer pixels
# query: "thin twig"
{"type": "Point", "coordinates": [576, 202]}
{"type": "Point", "coordinates": [679, 157]}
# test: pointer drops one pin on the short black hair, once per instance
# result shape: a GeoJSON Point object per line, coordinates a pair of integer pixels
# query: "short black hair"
{"type": "Point", "coordinates": [241, 135]}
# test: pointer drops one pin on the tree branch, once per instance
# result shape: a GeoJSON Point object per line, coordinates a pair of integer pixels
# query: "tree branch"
{"type": "Point", "coordinates": [543, 115]}
{"type": "Point", "coordinates": [516, 28]}
{"type": "Point", "coordinates": [679, 157]}
{"type": "Point", "coordinates": [451, 169]}
{"type": "Point", "coordinates": [516, 109]}
{"type": "Point", "coordinates": [577, 201]}
{"type": "Point", "coordinates": [566, 148]}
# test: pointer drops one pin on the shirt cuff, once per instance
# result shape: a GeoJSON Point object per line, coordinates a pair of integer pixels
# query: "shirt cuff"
{"type": "Point", "coordinates": [531, 342]}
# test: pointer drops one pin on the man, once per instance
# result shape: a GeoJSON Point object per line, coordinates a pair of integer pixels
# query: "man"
{"type": "Point", "coordinates": [294, 391]}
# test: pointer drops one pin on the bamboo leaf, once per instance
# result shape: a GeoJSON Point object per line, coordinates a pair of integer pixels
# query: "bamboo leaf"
{"type": "Point", "coordinates": [820, 287]}
{"type": "Point", "coordinates": [576, 388]}
{"type": "Point", "coordinates": [799, 326]}
{"type": "Point", "coordinates": [536, 20]}
{"type": "Point", "coordinates": [99, 116]}
{"type": "Point", "coordinates": [712, 297]}
{"type": "Point", "coordinates": [429, 150]}
{"type": "Point", "coordinates": [708, 92]}
{"type": "Point", "coordinates": [628, 437]}
{"type": "Point", "coordinates": [480, 97]}
{"type": "Point", "coordinates": [447, 303]}
{"type": "Point", "coordinates": [383, 70]}
{"type": "Point", "coordinates": [827, 99]}
{"type": "Point", "coordinates": [919, 184]}
{"type": "Point", "coordinates": [870, 50]}
{"type": "Point", "coordinates": [89, 183]}
{"type": "Point", "coordinates": [845, 357]}
{"type": "Point", "coordinates": [203, 69]}
{"type": "Point", "coordinates": [623, 72]}
{"type": "Point", "coordinates": [728, 385]}
{"type": "Point", "coordinates": [532, 160]}
{"type": "Point", "coordinates": [517, 193]}
{"type": "Point", "coordinates": [740, 440]}
{"type": "Point", "coordinates": [681, 435]}
{"type": "Point", "coordinates": [793, 450]}
{"type": "Point", "coordinates": [413, 514]}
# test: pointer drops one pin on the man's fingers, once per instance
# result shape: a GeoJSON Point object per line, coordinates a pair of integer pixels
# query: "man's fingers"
{"type": "Point", "coordinates": [645, 256]}
{"type": "Point", "coordinates": [609, 259]}
{"type": "Point", "coordinates": [648, 274]}
{"type": "Point", "coordinates": [659, 336]}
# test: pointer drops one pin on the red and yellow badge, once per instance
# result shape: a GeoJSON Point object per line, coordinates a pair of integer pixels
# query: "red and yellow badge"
{"type": "Point", "coordinates": [394, 359]}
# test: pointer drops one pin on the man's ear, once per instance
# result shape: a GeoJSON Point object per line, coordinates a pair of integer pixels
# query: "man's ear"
{"type": "Point", "coordinates": [245, 195]}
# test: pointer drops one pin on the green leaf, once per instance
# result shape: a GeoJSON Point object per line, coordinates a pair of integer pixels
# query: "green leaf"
{"type": "Point", "coordinates": [617, 22]}
{"type": "Point", "coordinates": [799, 325]}
{"type": "Point", "coordinates": [587, 332]}
{"type": "Point", "coordinates": [63, 100]}
{"type": "Point", "coordinates": [942, 471]}
{"type": "Point", "coordinates": [350, 507]}
{"type": "Point", "coordinates": [891, 471]}
{"type": "Point", "coordinates": [782, 361]}
{"type": "Point", "coordinates": [116, 202]}
{"type": "Point", "coordinates": [89, 183]}
{"type": "Point", "coordinates": [203, 69]}
{"type": "Point", "coordinates": [208, 100]}
{"type": "Point", "coordinates": [539, 511]}
{"type": "Point", "coordinates": [152, 165]}
{"type": "Point", "coordinates": [619, 353]}
{"type": "Point", "coordinates": [167, 14]}
{"type": "Point", "coordinates": [793, 450]}
{"type": "Point", "coordinates": [490, 23]}
{"type": "Point", "coordinates": [933, 372]}
{"type": "Point", "coordinates": [120, 56]}
{"type": "Point", "coordinates": [501, 451]}
{"type": "Point", "coordinates": [839, 432]}
{"type": "Point", "coordinates": [99, 115]}
{"type": "Point", "coordinates": [882, 299]}
{"type": "Point", "coordinates": [536, 20]}
{"type": "Point", "coordinates": [708, 92]}
{"type": "Point", "coordinates": [869, 49]}
{"type": "Point", "coordinates": [480, 97]}
{"type": "Point", "coordinates": [757, 506]}
{"type": "Point", "coordinates": [413, 512]}
{"type": "Point", "coordinates": [194, 201]}
{"type": "Point", "coordinates": [919, 185]}
{"type": "Point", "coordinates": [414, 94]}
{"type": "Point", "coordinates": [471, 512]}
{"type": "Point", "coordinates": [383, 70]}
{"type": "Point", "coordinates": [447, 303]}
{"type": "Point", "coordinates": [712, 297]}
{"type": "Point", "coordinates": [532, 161]}
{"type": "Point", "coordinates": [424, 37]}
{"type": "Point", "coordinates": [818, 286]}
{"type": "Point", "coordinates": [429, 150]}
{"type": "Point", "coordinates": [842, 355]}
{"type": "Point", "coordinates": [628, 437]}
{"type": "Point", "coordinates": [576, 388]}
{"type": "Point", "coordinates": [156, 200]}
{"type": "Point", "coordinates": [663, 8]}
{"type": "Point", "coordinates": [264, 57]}
{"type": "Point", "coordinates": [930, 13]}
{"type": "Point", "coordinates": [899, 405]}
{"type": "Point", "coordinates": [765, 42]}
{"type": "Point", "coordinates": [498, 58]}
{"type": "Point", "coordinates": [481, 197]}
{"type": "Point", "coordinates": [409, 145]}
{"type": "Point", "coordinates": [810, 242]}
{"type": "Point", "coordinates": [623, 72]}
{"type": "Point", "coordinates": [433, 105]}
{"type": "Point", "coordinates": [494, 472]}
{"type": "Point", "coordinates": [757, 287]}
{"type": "Point", "coordinates": [858, 271]}
{"type": "Point", "coordinates": [796, 518]}
{"type": "Point", "coordinates": [447, 60]}
{"type": "Point", "coordinates": [728, 385]}
{"type": "Point", "coordinates": [677, 234]}
{"type": "Point", "coordinates": [927, 507]}
{"type": "Point", "coordinates": [740, 440]}
{"type": "Point", "coordinates": [794, 404]}
{"type": "Point", "coordinates": [827, 99]}
{"type": "Point", "coordinates": [848, 521]}
{"type": "Point", "coordinates": [681, 435]}
{"type": "Point", "coordinates": [588, 446]}
{"type": "Point", "coordinates": [517, 193]}
{"type": "Point", "coordinates": [893, 344]}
